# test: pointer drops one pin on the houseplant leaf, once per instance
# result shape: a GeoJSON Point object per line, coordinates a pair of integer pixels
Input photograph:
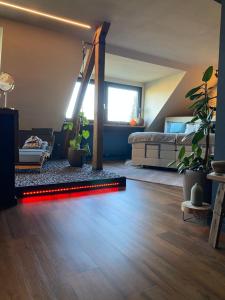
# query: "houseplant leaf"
{"type": "Point", "coordinates": [87, 149]}
{"type": "Point", "coordinates": [85, 134]}
{"type": "Point", "coordinates": [193, 91]}
{"type": "Point", "coordinates": [198, 136]}
{"type": "Point", "coordinates": [73, 144]}
{"type": "Point", "coordinates": [196, 96]}
{"type": "Point", "coordinates": [70, 126]}
{"type": "Point", "coordinates": [208, 74]}
{"type": "Point", "coordinates": [181, 153]}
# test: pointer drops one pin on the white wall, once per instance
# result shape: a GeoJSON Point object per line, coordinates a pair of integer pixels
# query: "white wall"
{"type": "Point", "coordinates": [177, 105]}
{"type": "Point", "coordinates": [45, 65]}
{"type": "Point", "coordinates": [157, 93]}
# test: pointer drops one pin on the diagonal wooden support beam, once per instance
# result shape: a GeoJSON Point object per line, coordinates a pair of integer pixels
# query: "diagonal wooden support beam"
{"type": "Point", "coordinates": [100, 33]}
{"type": "Point", "coordinates": [84, 83]}
{"type": "Point", "coordinates": [81, 93]}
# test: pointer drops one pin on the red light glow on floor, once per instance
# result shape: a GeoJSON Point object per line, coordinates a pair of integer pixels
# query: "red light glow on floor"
{"type": "Point", "coordinates": [65, 196]}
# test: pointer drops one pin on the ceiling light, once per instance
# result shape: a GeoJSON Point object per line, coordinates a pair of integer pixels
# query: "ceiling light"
{"type": "Point", "coordinates": [42, 14]}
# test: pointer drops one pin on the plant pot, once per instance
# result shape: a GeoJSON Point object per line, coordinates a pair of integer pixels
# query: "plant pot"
{"type": "Point", "coordinates": [76, 157]}
{"type": "Point", "coordinates": [193, 177]}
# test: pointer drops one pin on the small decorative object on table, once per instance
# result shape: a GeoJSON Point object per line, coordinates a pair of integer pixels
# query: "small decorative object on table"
{"type": "Point", "coordinates": [6, 85]}
{"type": "Point", "coordinates": [197, 195]}
{"type": "Point", "coordinates": [133, 122]}
{"type": "Point", "coordinates": [140, 121]}
{"type": "Point", "coordinates": [198, 212]}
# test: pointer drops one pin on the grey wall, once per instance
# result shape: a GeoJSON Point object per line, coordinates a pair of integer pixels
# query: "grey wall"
{"type": "Point", "coordinates": [45, 65]}
{"type": "Point", "coordinates": [157, 93]}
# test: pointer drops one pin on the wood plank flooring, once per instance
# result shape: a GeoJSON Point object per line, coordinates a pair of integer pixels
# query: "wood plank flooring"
{"type": "Point", "coordinates": [130, 244]}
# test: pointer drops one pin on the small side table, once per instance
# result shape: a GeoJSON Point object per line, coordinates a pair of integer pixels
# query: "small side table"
{"type": "Point", "coordinates": [200, 212]}
{"type": "Point", "coordinates": [219, 209]}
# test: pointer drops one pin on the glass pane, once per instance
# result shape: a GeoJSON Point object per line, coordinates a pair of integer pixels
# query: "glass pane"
{"type": "Point", "coordinates": [122, 104]}
{"type": "Point", "coordinates": [73, 99]}
{"type": "Point", "coordinates": [89, 100]}
{"type": "Point", "coordinates": [88, 103]}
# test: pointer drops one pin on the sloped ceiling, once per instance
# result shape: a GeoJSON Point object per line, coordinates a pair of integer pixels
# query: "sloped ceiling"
{"type": "Point", "coordinates": [176, 34]}
{"type": "Point", "coordinates": [134, 70]}
{"type": "Point", "coordinates": [178, 30]}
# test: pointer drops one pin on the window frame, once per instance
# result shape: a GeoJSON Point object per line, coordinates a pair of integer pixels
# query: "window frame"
{"type": "Point", "coordinates": [108, 84]}
{"type": "Point", "coordinates": [125, 87]}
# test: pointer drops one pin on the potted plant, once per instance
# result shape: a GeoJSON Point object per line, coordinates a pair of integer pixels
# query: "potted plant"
{"type": "Point", "coordinates": [197, 164]}
{"type": "Point", "coordinates": [78, 146]}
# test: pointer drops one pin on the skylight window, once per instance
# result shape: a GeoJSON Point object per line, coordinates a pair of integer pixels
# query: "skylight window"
{"type": "Point", "coordinates": [88, 103]}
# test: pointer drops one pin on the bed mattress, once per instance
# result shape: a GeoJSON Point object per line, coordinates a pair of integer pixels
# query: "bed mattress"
{"type": "Point", "coordinates": [160, 149]}
{"type": "Point", "coordinates": [158, 137]}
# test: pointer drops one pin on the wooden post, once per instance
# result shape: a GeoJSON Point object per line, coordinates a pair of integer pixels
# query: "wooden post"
{"type": "Point", "coordinates": [97, 161]}
{"type": "Point", "coordinates": [98, 43]}
{"type": "Point", "coordinates": [219, 209]}
{"type": "Point", "coordinates": [217, 217]}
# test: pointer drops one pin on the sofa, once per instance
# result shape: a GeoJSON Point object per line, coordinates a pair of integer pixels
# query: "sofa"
{"type": "Point", "coordinates": [159, 149]}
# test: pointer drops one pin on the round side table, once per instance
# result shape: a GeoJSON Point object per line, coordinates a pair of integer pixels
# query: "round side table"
{"type": "Point", "coordinates": [198, 212]}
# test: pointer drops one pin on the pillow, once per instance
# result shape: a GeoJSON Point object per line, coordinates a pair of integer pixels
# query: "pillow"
{"type": "Point", "coordinates": [44, 145]}
{"type": "Point", "coordinates": [33, 142]}
{"type": "Point", "coordinates": [191, 127]}
{"type": "Point", "coordinates": [175, 127]}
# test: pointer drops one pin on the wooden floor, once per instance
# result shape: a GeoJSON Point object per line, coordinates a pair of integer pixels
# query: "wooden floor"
{"type": "Point", "coordinates": [123, 245]}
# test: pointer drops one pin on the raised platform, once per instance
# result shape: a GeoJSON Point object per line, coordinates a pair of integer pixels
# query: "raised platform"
{"type": "Point", "coordinates": [59, 177]}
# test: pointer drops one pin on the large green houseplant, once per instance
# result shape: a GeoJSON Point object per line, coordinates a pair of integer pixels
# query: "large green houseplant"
{"type": "Point", "coordinates": [78, 145]}
{"type": "Point", "coordinates": [197, 164]}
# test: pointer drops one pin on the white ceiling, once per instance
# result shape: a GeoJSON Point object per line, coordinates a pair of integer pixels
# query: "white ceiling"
{"type": "Point", "coordinates": [133, 70]}
{"type": "Point", "coordinates": [186, 31]}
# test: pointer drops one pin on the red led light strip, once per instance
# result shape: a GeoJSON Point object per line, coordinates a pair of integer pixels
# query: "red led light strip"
{"type": "Point", "coordinates": [113, 184]}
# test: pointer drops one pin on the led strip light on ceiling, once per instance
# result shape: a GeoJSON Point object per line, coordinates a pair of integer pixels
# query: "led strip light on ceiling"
{"type": "Point", "coordinates": [45, 15]}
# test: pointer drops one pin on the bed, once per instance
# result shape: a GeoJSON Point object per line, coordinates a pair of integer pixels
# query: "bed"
{"type": "Point", "coordinates": [159, 149]}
